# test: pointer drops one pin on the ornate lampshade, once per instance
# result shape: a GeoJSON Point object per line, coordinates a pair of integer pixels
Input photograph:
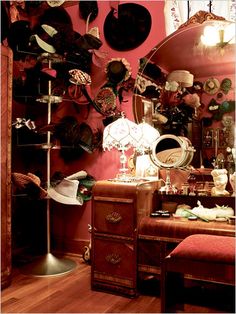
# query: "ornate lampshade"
{"type": "Point", "coordinates": [122, 134]}
{"type": "Point", "coordinates": [149, 136]}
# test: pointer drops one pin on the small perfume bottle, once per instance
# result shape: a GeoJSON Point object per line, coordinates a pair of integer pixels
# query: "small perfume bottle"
{"type": "Point", "coordinates": [192, 184]}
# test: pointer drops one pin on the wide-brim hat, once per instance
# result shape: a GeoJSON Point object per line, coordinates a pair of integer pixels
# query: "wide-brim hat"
{"type": "Point", "coordinates": [44, 38]}
{"type": "Point", "coordinates": [128, 28]}
{"type": "Point", "coordinates": [66, 191]}
{"type": "Point", "coordinates": [211, 86]}
{"type": "Point", "coordinates": [26, 181]}
{"type": "Point", "coordinates": [88, 9]}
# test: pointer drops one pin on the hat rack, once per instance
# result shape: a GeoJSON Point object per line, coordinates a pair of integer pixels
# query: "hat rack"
{"type": "Point", "coordinates": [48, 264]}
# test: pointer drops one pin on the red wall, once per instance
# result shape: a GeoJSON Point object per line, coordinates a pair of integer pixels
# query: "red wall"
{"type": "Point", "coordinates": [70, 222]}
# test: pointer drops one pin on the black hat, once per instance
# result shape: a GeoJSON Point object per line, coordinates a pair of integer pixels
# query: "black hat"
{"type": "Point", "coordinates": [87, 8]}
{"type": "Point", "coordinates": [19, 38]}
{"type": "Point", "coordinates": [129, 28]}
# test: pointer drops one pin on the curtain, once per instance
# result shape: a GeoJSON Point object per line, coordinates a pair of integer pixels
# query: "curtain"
{"type": "Point", "coordinates": [178, 12]}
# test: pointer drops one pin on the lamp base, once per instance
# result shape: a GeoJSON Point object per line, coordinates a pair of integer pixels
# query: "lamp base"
{"type": "Point", "coordinates": [48, 265]}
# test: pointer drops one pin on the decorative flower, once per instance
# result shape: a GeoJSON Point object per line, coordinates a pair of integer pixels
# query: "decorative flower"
{"type": "Point", "coordinates": [171, 86]}
{"type": "Point", "coordinates": [114, 69]}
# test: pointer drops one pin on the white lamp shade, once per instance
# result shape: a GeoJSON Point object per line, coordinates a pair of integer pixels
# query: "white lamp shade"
{"type": "Point", "coordinates": [121, 134]}
{"type": "Point", "coordinates": [149, 135]}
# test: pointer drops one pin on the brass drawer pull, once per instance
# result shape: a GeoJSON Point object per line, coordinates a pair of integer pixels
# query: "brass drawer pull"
{"type": "Point", "coordinates": [113, 258]}
{"type": "Point", "coordinates": [114, 218]}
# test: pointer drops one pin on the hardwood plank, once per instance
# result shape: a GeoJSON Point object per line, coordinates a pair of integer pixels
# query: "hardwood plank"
{"type": "Point", "coordinates": [71, 293]}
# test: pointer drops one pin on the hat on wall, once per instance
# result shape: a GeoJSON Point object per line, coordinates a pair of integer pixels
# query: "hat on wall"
{"type": "Point", "coordinates": [117, 70]}
{"type": "Point", "coordinates": [55, 3]}
{"type": "Point", "coordinates": [128, 27]}
{"type": "Point", "coordinates": [226, 85]}
{"type": "Point", "coordinates": [30, 183]}
{"type": "Point", "coordinates": [44, 38]}
{"type": "Point", "coordinates": [88, 9]}
{"type": "Point", "coordinates": [66, 191]}
{"type": "Point", "coordinates": [211, 86]}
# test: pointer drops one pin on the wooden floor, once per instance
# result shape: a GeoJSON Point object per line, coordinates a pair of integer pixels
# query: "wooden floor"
{"type": "Point", "coordinates": [71, 293]}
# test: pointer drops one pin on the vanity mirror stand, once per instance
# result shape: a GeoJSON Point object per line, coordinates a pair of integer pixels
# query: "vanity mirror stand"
{"type": "Point", "coordinates": [171, 152]}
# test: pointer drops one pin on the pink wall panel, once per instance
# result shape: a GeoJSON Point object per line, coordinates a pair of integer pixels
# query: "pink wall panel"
{"type": "Point", "coordinates": [71, 222]}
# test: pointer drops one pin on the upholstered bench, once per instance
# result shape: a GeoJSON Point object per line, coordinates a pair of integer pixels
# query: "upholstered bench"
{"type": "Point", "coordinates": [202, 256]}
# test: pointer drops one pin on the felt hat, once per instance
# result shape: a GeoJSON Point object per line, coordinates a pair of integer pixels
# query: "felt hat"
{"type": "Point", "coordinates": [30, 183]}
{"type": "Point", "coordinates": [211, 86]}
{"type": "Point", "coordinates": [128, 27]}
{"type": "Point", "coordinates": [66, 190]}
{"type": "Point", "coordinates": [44, 38]}
{"type": "Point", "coordinates": [88, 9]}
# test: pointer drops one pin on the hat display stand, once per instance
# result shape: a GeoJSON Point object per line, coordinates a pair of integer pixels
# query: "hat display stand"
{"type": "Point", "coordinates": [48, 264]}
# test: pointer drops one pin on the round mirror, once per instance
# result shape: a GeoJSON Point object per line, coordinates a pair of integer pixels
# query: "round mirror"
{"type": "Point", "coordinates": [171, 151]}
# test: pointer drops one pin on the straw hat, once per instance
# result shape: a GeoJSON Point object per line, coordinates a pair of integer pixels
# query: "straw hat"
{"type": "Point", "coordinates": [26, 182]}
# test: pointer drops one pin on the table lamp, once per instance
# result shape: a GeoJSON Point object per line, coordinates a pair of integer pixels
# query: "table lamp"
{"type": "Point", "coordinates": [122, 134]}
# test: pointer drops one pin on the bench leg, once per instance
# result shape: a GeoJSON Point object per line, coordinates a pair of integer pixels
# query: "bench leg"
{"type": "Point", "coordinates": [172, 291]}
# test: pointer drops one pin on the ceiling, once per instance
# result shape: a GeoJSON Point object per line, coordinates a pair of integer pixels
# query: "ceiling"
{"type": "Point", "coordinates": [183, 50]}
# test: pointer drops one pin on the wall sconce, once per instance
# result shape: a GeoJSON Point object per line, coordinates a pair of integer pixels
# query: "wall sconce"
{"type": "Point", "coordinates": [221, 34]}
{"type": "Point", "coordinates": [122, 134]}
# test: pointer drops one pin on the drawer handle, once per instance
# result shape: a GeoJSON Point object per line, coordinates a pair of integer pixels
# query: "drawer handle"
{"type": "Point", "coordinates": [114, 218]}
{"type": "Point", "coordinates": [113, 259]}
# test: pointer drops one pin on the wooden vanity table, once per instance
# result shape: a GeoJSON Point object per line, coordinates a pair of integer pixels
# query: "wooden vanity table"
{"type": "Point", "coordinates": [157, 237]}
{"type": "Point", "coordinates": [127, 244]}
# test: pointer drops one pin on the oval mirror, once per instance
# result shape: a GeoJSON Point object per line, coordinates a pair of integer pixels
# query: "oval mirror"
{"type": "Point", "coordinates": [182, 50]}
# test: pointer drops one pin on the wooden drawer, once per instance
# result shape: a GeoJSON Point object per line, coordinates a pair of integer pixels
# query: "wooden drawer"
{"type": "Point", "coordinates": [114, 261]}
{"type": "Point", "coordinates": [115, 218]}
